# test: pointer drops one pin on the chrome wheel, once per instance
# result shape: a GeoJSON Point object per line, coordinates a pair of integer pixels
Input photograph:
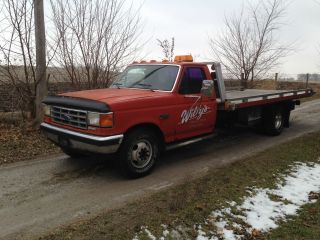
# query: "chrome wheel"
{"type": "Point", "coordinates": [273, 120]}
{"type": "Point", "coordinates": [141, 153]}
{"type": "Point", "coordinates": [278, 121]}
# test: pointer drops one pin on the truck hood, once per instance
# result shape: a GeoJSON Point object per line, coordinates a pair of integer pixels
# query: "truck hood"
{"type": "Point", "coordinates": [114, 95]}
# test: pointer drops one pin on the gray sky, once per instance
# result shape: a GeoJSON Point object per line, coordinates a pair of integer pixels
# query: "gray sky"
{"type": "Point", "coordinates": [191, 22]}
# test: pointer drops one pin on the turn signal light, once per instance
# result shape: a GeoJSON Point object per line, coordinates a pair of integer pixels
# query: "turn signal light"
{"type": "Point", "coordinates": [106, 120]}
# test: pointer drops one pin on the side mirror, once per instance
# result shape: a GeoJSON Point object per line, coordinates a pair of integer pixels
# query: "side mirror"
{"type": "Point", "coordinates": [207, 88]}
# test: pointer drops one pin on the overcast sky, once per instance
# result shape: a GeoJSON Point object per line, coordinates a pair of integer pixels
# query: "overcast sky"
{"type": "Point", "coordinates": [192, 22]}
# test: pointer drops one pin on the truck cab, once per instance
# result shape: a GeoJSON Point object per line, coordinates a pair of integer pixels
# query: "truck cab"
{"type": "Point", "coordinates": [150, 107]}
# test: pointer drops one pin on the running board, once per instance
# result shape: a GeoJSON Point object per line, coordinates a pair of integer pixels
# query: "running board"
{"type": "Point", "coordinates": [189, 141]}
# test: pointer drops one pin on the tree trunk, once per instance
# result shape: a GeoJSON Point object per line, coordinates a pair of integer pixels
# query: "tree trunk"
{"type": "Point", "coordinates": [41, 75]}
{"type": "Point", "coordinates": [252, 78]}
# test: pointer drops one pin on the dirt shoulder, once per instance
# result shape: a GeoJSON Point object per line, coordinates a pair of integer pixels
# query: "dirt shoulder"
{"type": "Point", "coordinates": [191, 202]}
{"type": "Point", "coordinates": [18, 144]}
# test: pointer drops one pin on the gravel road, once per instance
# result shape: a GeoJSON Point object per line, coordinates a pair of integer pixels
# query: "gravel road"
{"type": "Point", "coordinates": [40, 195]}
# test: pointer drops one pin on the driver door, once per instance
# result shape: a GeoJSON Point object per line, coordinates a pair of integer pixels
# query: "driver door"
{"type": "Point", "coordinates": [196, 113]}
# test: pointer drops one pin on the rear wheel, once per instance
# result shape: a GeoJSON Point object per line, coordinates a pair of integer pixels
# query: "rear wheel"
{"type": "Point", "coordinates": [273, 121]}
{"type": "Point", "coordinates": [139, 152]}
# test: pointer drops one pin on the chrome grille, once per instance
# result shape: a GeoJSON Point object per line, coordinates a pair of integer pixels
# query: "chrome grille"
{"type": "Point", "coordinates": [71, 117]}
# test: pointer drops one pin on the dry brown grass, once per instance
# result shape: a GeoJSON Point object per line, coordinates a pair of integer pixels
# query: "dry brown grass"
{"type": "Point", "coordinates": [20, 144]}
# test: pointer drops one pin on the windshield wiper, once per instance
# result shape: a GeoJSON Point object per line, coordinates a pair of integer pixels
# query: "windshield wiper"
{"type": "Point", "coordinates": [149, 86]}
{"type": "Point", "coordinates": [143, 84]}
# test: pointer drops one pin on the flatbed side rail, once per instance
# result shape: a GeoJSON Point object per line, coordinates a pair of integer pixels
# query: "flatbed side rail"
{"type": "Point", "coordinates": [232, 104]}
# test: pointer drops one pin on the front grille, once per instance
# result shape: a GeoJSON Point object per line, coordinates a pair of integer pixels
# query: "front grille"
{"type": "Point", "coordinates": [71, 117]}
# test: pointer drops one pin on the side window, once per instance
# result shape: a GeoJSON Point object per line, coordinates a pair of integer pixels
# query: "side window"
{"type": "Point", "coordinates": [192, 80]}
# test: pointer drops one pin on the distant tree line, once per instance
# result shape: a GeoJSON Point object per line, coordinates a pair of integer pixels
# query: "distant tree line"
{"type": "Point", "coordinates": [310, 77]}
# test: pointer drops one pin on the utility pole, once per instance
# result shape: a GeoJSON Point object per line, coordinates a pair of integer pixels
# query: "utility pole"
{"type": "Point", "coordinates": [41, 66]}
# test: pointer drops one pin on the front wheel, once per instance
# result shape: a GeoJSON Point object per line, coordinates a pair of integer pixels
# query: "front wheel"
{"type": "Point", "coordinates": [139, 152]}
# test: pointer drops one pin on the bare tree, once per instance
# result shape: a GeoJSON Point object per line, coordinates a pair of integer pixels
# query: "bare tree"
{"type": "Point", "coordinates": [17, 52]}
{"type": "Point", "coordinates": [96, 38]}
{"type": "Point", "coordinates": [248, 47]}
{"type": "Point", "coordinates": [167, 48]}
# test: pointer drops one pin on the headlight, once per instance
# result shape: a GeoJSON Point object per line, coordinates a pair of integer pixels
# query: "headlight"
{"type": "Point", "coordinates": [94, 119]}
{"type": "Point", "coordinates": [100, 119]}
{"type": "Point", "coordinates": [47, 110]}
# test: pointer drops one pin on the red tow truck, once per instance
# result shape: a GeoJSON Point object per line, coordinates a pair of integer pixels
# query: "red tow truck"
{"type": "Point", "coordinates": [154, 106]}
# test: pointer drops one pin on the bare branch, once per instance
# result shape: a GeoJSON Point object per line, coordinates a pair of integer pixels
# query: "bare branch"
{"type": "Point", "coordinates": [248, 46]}
{"type": "Point", "coordinates": [95, 39]}
{"type": "Point", "coordinates": [167, 48]}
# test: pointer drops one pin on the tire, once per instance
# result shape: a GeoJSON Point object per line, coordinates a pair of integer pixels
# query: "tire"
{"type": "Point", "coordinates": [273, 121]}
{"type": "Point", "coordinates": [139, 153]}
{"type": "Point", "coordinates": [72, 153]}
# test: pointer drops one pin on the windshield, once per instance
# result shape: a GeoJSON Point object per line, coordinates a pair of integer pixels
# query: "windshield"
{"type": "Point", "coordinates": [155, 77]}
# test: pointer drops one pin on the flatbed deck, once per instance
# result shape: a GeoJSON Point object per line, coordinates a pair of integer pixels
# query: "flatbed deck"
{"type": "Point", "coordinates": [252, 97]}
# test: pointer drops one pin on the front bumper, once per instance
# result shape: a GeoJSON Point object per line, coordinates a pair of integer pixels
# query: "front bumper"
{"type": "Point", "coordinates": [82, 142]}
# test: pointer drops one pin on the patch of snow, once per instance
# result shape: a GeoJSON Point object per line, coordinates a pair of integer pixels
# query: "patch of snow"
{"type": "Point", "coordinates": [164, 226]}
{"type": "Point", "coordinates": [174, 234]}
{"type": "Point", "coordinates": [135, 237]}
{"type": "Point", "coordinates": [150, 235]}
{"type": "Point", "coordinates": [223, 231]}
{"type": "Point", "coordinates": [231, 203]}
{"type": "Point", "coordinates": [261, 212]}
{"type": "Point", "coordinates": [201, 234]}
{"type": "Point", "coordinates": [165, 233]}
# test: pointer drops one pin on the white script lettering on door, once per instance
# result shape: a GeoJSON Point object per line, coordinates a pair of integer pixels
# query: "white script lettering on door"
{"type": "Point", "coordinates": [193, 113]}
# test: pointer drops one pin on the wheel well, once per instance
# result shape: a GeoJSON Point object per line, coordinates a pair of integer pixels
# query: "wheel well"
{"type": "Point", "coordinates": [150, 126]}
{"type": "Point", "coordinates": [285, 107]}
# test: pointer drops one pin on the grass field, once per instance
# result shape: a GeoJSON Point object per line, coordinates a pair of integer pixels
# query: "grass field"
{"type": "Point", "coordinates": [182, 206]}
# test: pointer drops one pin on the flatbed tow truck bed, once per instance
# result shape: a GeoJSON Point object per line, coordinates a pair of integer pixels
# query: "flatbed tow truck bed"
{"type": "Point", "coordinates": [254, 97]}
{"type": "Point", "coordinates": [236, 99]}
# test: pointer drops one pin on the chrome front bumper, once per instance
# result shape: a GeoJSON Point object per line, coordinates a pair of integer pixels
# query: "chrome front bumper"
{"type": "Point", "coordinates": [82, 142]}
